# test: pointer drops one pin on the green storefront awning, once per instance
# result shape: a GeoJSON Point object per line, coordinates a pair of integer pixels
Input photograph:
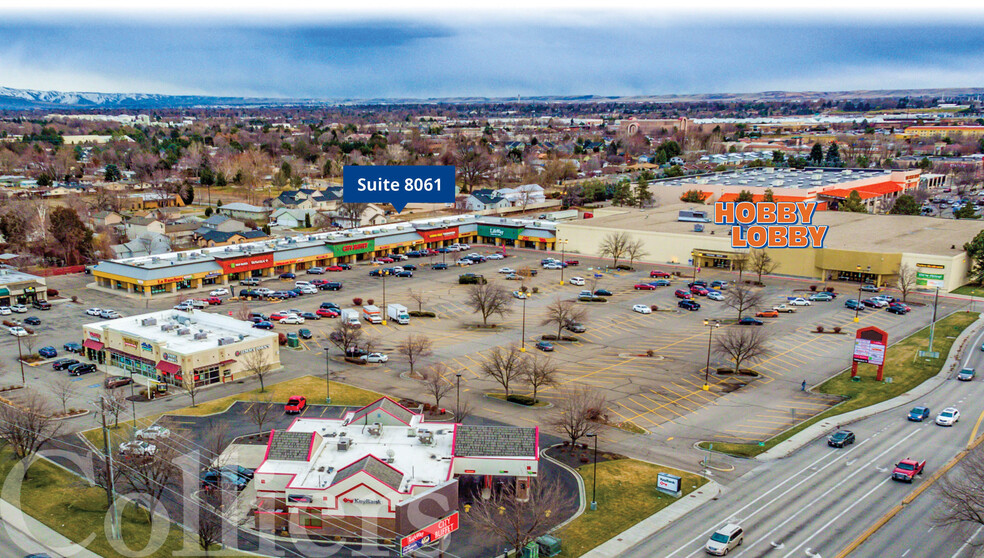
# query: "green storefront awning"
{"type": "Point", "coordinates": [4, 291]}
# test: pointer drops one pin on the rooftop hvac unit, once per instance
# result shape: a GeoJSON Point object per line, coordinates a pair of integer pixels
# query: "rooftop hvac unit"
{"type": "Point", "coordinates": [411, 432]}
{"type": "Point", "coordinates": [155, 259]}
{"type": "Point", "coordinates": [343, 444]}
{"type": "Point", "coordinates": [201, 335]}
{"type": "Point", "coordinates": [376, 429]}
{"type": "Point", "coordinates": [226, 341]}
{"type": "Point", "coordinates": [167, 327]}
{"type": "Point", "coordinates": [148, 321]}
{"type": "Point", "coordinates": [184, 331]}
{"type": "Point", "coordinates": [181, 256]}
{"type": "Point", "coordinates": [426, 437]}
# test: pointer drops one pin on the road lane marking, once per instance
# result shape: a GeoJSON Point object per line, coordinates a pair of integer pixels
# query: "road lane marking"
{"type": "Point", "coordinates": [967, 542]}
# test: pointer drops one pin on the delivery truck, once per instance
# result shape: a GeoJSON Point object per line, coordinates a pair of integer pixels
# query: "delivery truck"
{"type": "Point", "coordinates": [398, 313]}
{"type": "Point", "coordinates": [350, 316]}
{"type": "Point", "coordinates": [371, 314]}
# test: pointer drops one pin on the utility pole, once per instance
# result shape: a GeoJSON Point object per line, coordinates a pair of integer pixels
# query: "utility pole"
{"type": "Point", "coordinates": [110, 482]}
{"type": "Point", "coordinates": [20, 359]}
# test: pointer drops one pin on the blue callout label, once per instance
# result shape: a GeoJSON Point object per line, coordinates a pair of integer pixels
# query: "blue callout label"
{"type": "Point", "coordinates": [398, 185]}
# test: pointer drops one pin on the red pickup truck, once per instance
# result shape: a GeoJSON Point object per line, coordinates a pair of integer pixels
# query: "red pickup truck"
{"type": "Point", "coordinates": [295, 404]}
{"type": "Point", "coordinates": [907, 469]}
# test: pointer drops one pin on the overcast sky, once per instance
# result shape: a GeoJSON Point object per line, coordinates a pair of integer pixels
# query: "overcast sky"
{"type": "Point", "coordinates": [435, 53]}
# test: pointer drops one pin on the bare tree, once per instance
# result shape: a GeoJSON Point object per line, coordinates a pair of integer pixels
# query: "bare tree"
{"type": "Point", "coordinates": [63, 388]}
{"type": "Point", "coordinates": [961, 497]}
{"type": "Point", "coordinates": [243, 311]}
{"type": "Point", "coordinates": [215, 439]}
{"type": "Point", "coordinates": [346, 336]}
{"type": "Point", "coordinates": [259, 411]}
{"type": "Point", "coordinates": [211, 524]}
{"type": "Point", "coordinates": [418, 297]}
{"type": "Point", "coordinates": [436, 383]}
{"type": "Point", "coordinates": [906, 279]}
{"type": "Point", "coordinates": [414, 348]}
{"type": "Point", "coordinates": [191, 387]}
{"type": "Point", "coordinates": [353, 212]}
{"type": "Point", "coordinates": [257, 364]}
{"type": "Point", "coordinates": [635, 249]}
{"type": "Point", "coordinates": [563, 313]}
{"type": "Point", "coordinates": [516, 521]}
{"type": "Point", "coordinates": [113, 404]}
{"type": "Point", "coordinates": [739, 263]}
{"type": "Point", "coordinates": [505, 366]}
{"type": "Point", "coordinates": [743, 298]}
{"type": "Point", "coordinates": [539, 372]}
{"type": "Point", "coordinates": [742, 344]}
{"type": "Point", "coordinates": [614, 246]}
{"type": "Point", "coordinates": [28, 427]}
{"type": "Point", "coordinates": [762, 263]}
{"type": "Point", "coordinates": [150, 474]}
{"type": "Point", "coordinates": [489, 299]}
{"type": "Point", "coordinates": [30, 342]}
{"type": "Point", "coordinates": [578, 407]}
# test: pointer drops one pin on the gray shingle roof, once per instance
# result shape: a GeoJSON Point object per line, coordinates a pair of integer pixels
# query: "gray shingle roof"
{"type": "Point", "coordinates": [379, 470]}
{"type": "Point", "coordinates": [384, 404]}
{"type": "Point", "coordinates": [289, 446]}
{"type": "Point", "coordinates": [494, 441]}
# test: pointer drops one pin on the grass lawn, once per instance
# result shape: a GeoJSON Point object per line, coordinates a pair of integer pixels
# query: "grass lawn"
{"type": "Point", "coordinates": [75, 509]}
{"type": "Point", "coordinates": [309, 386]}
{"type": "Point", "coordinates": [970, 290]}
{"type": "Point", "coordinates": [626, 495]}
{"type": "Point", "coordinates": [901, 364]}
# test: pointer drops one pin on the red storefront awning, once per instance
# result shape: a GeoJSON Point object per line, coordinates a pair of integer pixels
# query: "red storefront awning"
{"type": "Point", "coordinates": [94, 345]}
{"type": "Point", "coordinates": [168, 367]}
{"type": "Point", "coordinates": [227, 361]}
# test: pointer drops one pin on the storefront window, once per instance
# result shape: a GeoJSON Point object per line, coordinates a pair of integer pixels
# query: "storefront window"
{"type": "Point", "coordinates": [208, 281]}
{"type": "Point", "coordinates": [186, 284]}
{"type": "Point", "coordinates": [157, 289]}
{"type": "Point", "coordinates": [311, 522]}
{"type": "Point", "coordinates": [133, 365]}
{"type": "Point", "coordinates": [206, 376]}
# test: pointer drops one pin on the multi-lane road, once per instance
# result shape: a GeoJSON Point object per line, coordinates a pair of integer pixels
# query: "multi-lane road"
{"type": "Point", "coordinates": [816, 501]}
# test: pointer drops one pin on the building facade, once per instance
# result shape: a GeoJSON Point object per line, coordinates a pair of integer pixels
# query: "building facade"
{"type": "Point", "coordinates": [21, 288]}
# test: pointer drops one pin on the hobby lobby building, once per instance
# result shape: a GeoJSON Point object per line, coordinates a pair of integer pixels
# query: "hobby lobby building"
{"type": "Point", "coordinates": [169, 273]}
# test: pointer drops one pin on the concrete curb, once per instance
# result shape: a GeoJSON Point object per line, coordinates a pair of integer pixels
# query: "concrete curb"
{"type": "Point", "coordinates": [19, 526]}
{"type": "Point", "coordinates": [632, 536]}
{"type": "Point", "coordinates": [808, 434]}
{"type": "Point", "coordinates": [580, 488]}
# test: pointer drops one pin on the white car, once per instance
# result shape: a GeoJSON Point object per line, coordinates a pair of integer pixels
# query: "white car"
{"type": "Point", "coordinates": [93, 311]}
{"type": "Point", "coordinates": [579, 281]}
{"type": "Point", "coordinates": [553, 266]}
{"type": "Point", "coordinates": [397, 269]}
{"type": "Point", "coordinates": [19, 308]}
{"type": "Point", "coordinates": [374, 357]}
{"type": "Point", "coordinates": [263, 291]}
{"type": "Point", "coordinates": [948, 417]}
{"type": "Point", "coordinates": [152, 432]}
{"type": "Point", "coordinates": [642, 309]}
{"type": "Point", "coordinates": [310, 289]}
{"type": "Point", "coordinates": [464, 261]}
{"type": "Point", "coordinates": [496, 256]}
{"type": "Point", "coordinates": [184, 306]}
{"type": "Point", "coordinates": [138, 448]}
{"type": "Point", "coordinates": [519, 294]}
{"type": "Point", "coordinates": [219, 292]}
{"type": "Point", "coordinates": [454, 248]}
{"type": "Point", "coordinates": [18, 331]}
{"type": "Point", "coordinates": [292, 319]}
{"type": "Point", "coordinates": [714, 295]}
{"type": "Point", "coordinates": [109, 314]}
{"type": "Point", "coordinates": [5, 310]}
{"type": "Point", "coordinates": [399, 257]}
{"type": "Point", "coordinates": [464, 247]}
{"type": "Point", "coordinates": [507, 270]}
{"type": "Point", "coordinates": [799, 302]}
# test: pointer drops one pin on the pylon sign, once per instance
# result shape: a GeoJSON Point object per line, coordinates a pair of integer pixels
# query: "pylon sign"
{"type": "Point", "coordinates": [869, 348]}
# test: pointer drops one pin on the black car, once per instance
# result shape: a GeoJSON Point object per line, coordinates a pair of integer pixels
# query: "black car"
{"type": "Point", "coordinates": [698, 283]}
{"type": "Point", "coordinates": [31, 320]}
{"type": "Point", "coordinates": [310, 316]}
{"type": "Point", "coordinates": [895, 309]}
{"type": "Point", "coordinates": [330, 286]}
{"type": "Point", "coordinates": [210, 479]}
{"type": "Point", "coordinates": [405, 273]}
{"type": "Point", "coordinates": [689, 305]}
{"type": "Point", "coordinates": [840, 439]}
{"type": "Point", "coordinates": [80, 369]}
{"type": "Point", "coordinates": [73, 348]}
{"type": "Point", "coordinates": [378, 273]}
{"type": "Point", "coordinates": [330, 305]}
{"type": "Point", "coordinates": [439, 266]}
{"type": "Point", "coordinates": [603, 292]}
{"type": "Point", "coordinates": [355, 352]}
{"type": "Point", "coordinates": [409, 267]}
{"type": "Point", "coordinates": [750, 321]}
{"type": "Point", "coordinates": [414, 254]}
{"type": "Point", "coordinates": [288, 275]}
{"type": "Point", "coordinates": [63, 363]}
{"type": "Point", "coordinates": [41, 305]}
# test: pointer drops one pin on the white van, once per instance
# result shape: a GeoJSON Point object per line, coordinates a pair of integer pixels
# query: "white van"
{"type": "Point", "coordinates": [302, 284]}
{"type": "Point", "coordinates": [350, 316]}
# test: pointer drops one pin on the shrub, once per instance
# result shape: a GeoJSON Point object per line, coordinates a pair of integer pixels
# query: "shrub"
{"type": "Point", "coordinates": [536, 290]}
{"type": "Point", "coordinates": [552, 337]}
{"type": "Point", "coordinates": [52, 292]}
{"type": "Point", "coordinates": [654, 308]}
{"type": "Point", "coordinates": [819, 329]}
{"type": "Point", "coordinates": [829, 289]}
{"type": "Point", "coordinates": [282, 337]}
{"type": "Point", "coordinates": [521, 399]}
{"type": "Point", "coordinates": [623, 267]}
{"type": "Point", "coordinates": [422, 314]}
{"type": "Point", "coordinates": [370, 302]}
{"type": "Point", "coordinates": [813, 288]}
{"type": "Point", "coordinates": [650, 353]}
{"type": "Point", "coordinates": [75, 298]}
{"type": "Point", "coordinates": [837, 329]}
{"type": "Point", "coordinates": [357, 301]}
{"type": "Point", "coordinates": [592, 299]}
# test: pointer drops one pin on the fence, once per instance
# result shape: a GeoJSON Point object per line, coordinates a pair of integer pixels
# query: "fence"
{"type": "Point", "coordinates": [50, 271]}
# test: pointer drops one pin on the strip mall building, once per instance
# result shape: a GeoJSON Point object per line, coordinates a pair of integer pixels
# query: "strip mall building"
{"type": "Point", "coordinates": [167, 274]}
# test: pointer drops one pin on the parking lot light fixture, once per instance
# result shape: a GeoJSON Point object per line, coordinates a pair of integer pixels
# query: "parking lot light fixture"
{"type": "Point", "coordinates": [522, 341]}
{"type": "Point", "coordinates": [327, 376]}
{"type": "Point", "coordinates": [707, 368]}
{"type": "Point", "coordinates": [563, 257]}
{"type": "Point", "coordinates": [457, 397]}
{"type": "Point", "coordinates": [857, 307]}
{"type": "Point", "coordinates": [594, 475]}
{"type": "Point", "coordinates": [384, 300]}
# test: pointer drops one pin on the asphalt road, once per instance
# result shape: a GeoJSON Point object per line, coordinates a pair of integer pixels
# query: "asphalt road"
{"type": "Point", "coordinates": [816, 501]}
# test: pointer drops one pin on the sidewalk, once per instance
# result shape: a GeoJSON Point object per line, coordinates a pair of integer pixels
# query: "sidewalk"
{"type": "Point", "coordinates": [25, 532]}
{"type": "Point", "coordinates": [625, 540]}
{"type": "Point", "coordinates": [817, 429]}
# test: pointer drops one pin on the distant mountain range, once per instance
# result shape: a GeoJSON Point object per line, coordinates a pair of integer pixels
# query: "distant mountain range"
{"type": "Point", "coordinates": [29, 99]}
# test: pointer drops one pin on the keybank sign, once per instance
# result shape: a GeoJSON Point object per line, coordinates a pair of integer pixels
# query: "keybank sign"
{"type": "Point", "coordinates": [498, 232]}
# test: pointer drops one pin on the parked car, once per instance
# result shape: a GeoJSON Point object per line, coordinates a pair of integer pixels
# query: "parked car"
{"type": "Point", "coordinates": [41, 305]}
{"type": "Point", "coordinates": [72, 347]}
{"type": "Point", "coordinates": [17, 331]}
{"type": "Point", "coordinates": [305, 333]}
{"type": "Point", "coordinates": [874, 302]}
{"type": "Point", "coordinates": [660, 283]}
{"type": "Point", "coordinates": [680, 293]}
{"type": "Point", "coordinates": [719, 284]}
{"type": "Point", "coordinates": [603, 292]}
{"type": "Point", "coordinates": [315, 271]}
{"type": "Point", "coordinates": [333, 268]}
{"type": "Point", "coordinates": [292, 319]}
{"type": "Point", "coordinates": [798, 302]}
{"type": "Point", "coordinates": [63, 363]}
{"type": "Point", "coordinates": [81, 369]}
{"type": "Point", "coordinates": [642, 309]}
{"type": "Point", "coordinates": [93, 311]}
{"type": "Point", "coordinates": [691, 305]}
{"type": "Point", "coordinates": [219, 292]}
{"type": "Point", "coordinates": [579, 281]}
{"type": "Point", "coordinates": [48, 352]}
{"type": "Point", "coordinates": [644, 287]}
{"type": "Point", "coordinates": [572, 262]}
{"type": "Point", "coordinates": [698, 283]}
{"type": "Point", "coordinates": [854, 304]}
{"type": "Point", "coordinates": [19, 308]}
{"type": "Point", "coordinates": [327, 312]}
{"type": "Point", "coordinates": [109, 314]}
{"type": "Point", "coordinates": [288, 275]}
{"type": "Point", "coordinates": [404, 273]}
{"type": "Point", "coordinates": [750, 321]}
{"type": "Point", "coordinates": [374, 357]}
{"type": "Point", "coordinates": [330, 286]}
{"type": "Point", "coordinates": [295, 404]}
{"type": "Point", "coordinates": [409, 267]}
{"type": "Point", "coordinates": [840, 439]}
{"type": "Point", "coordinates": [767, 314]}
{"type": "Point", "coordinates": [439, 266]}
{"type": "Point", "coordinates": [506, 270]}
{"type": "Point", "coordinates": [821, 297]}
{"type": "Point", "coordinates": [575, 327]}
{"type": "Point", "coordinates": [519, 294]}
{"type": "Point", "coordinates": [250, 282]}
{"type": "Point", "coordinates": [137, 448]}
{"type": "Point", "coordinates": [153, 432]}
{"type": "Point", "coordinates": [870, 288]}
{"type": "Point", "coordinates": [715, 295]}
{"type": "Point", "coordinates": [698, 290]}
{"type": "Point", "coordinates": [658, 273]}
{"type": "Point", "coordinates": [212, 479]}
{"type": "Point", "coordinates": [5, 311]}
{"type": "Point", "coordinates": [113, 382]}
{"type": "Point", "coordinates": [918, 414]}
{"type": "Point", "coordinates": [263, 325]}
{"type": "Point", "coordinates": [495, 256]}
{"type": "Point", "coordinates": [378, 273]}
{"type": "Point", "coordinates": [545, 346]}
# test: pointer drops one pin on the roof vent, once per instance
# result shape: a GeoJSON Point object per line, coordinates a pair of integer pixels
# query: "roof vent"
{"type": "Point", "coordinates": [201, 335]}
{"type": "Point", "coordinates": [148, 321]}
{"type": "Point", "coordinates": [425, 437]}
{"type": "Point", "coordinates": [167, 327]}
{"type": "Point", "coordinates": [184, 331]}
{"type": "Point", "coordinates": [411, 433]}
{"type": "Point", "coordinates": [343, 444]}
{"type": "Point", "coordinates": [225, 341]}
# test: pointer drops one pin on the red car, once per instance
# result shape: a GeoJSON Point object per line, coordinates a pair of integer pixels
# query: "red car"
{"type": "Point", "coordinates": [385, 260]}
{"type": "Point", "coordinates": [277, 316]}
{"type": "Point", "coordinates": [644, 287]}
{"type": "Point", "coordinates": [327, 313]}
{"type": "Point", "coordinates": [658, 273]}
{"type": "Point", "coordinates": [572, 262]}
{"type": "Point", "coordinates": [698, 290]}
{"type": "Point", "coordinates": [333, 268]}
{"type": "Point", "coordinates": [682, 294]}
{"type": "Point", "coordinates": [295, 404]}
{"type": "Point", "coordinates": [214, 300]}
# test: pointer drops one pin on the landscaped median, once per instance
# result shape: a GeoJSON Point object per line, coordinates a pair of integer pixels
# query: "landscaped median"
{"type": "Point", "coordinates": [626, 495]}
{"type": "Point", "coordinates": [901, 364]}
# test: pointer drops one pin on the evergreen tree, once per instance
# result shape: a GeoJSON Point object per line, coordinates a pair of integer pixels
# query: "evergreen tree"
{"type": "Point", "coordinates": [642, 194]}
{"type": "Point", "coordinates": [966, 212]}
{"type": "Point", "coordinates": [853, 203]}
{"type": "Point", "coordinates": [778, 157]}
{"type": "Point", "coordinates": [745, 196]}
{"type": "Point", "coordinates": [307, 220]}
{"type": "Point", "coordinates": [208, 212]}
{"type": "Point", "coordinates": [833, 156]}
{"type": "Point", "coordinates": [905, 205]}
{"type": "Point", "coordinates": [816, 155]}
{"type": "Point", "coordinates": [768, 197]}
{"type": "Point", "coordinates": [975, 250]}
{"type": "Point", "coordinates": [113, 173]}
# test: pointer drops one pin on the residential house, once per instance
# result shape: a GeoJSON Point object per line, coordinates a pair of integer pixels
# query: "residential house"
{"type": "Point", "coordinates": [373, 215]}
{"type": "Point", "coordinates": [292, 218]}
{"type": "Point", "coordinates": [245, 211]}
{"type": "Point", "coordinates": [106, 219]}
{"type": "Point", "coordinates": [140, 225]}
{"type": "Point", "coordinates": [151, 200]}
{"type": "Point", "coordinates": [218, 238]}
{"type": "Point", "coordinates": [146, 244]}
{"type": "Point", "coordinates": [309, 198]}
{"type": "Point", "coordinates": [223, 223]}
{"type": "Point", "coordinates": [480, 200]}
{"type": "Point", "coordinates": [527, 194]}
{"type": "Point", "coordinates": [181, 233]}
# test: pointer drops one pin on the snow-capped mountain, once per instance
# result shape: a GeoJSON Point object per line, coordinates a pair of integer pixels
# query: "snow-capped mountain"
{"type": "Point", "coordinates": [11, 98]}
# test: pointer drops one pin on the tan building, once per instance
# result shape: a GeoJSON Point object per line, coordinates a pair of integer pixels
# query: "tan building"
{"type": "Point", "coordinates": [944, 131]}
{"type": "Point", "coordinates": [857, 245]}
{"type": "Point", "coordinates": [172, 347]}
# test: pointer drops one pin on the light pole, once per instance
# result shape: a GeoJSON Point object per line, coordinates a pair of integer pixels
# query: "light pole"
{"type": "Point", "coordinates": [563, 256]}
{"type": "Point", "coordinates": [384, 300]}
{"type": "Point", "coordinates": [857, 307]}
{"type": "Point", "coordinates": [594, 475]}
{"type": "Point", "coordinates": [20, 359]}
{"type": "Point", "coordinates": [457, 397]}
{"type": "Point", "coordinates": [693, 258]}
{"type": "Point", "coordinates": [522, 341]}
{"type": "Point", "coordinates": [327, 376]}
{"type": "Point", "coordinates": [707, 368]}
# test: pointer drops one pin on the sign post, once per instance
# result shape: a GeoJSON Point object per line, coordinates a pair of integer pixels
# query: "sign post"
{"type": "Point", "coordinates": [668, 484]}
{"type": "Point", "coordinates": [432, 533]}
{"type": "Point", "coordinates": [869, 347]}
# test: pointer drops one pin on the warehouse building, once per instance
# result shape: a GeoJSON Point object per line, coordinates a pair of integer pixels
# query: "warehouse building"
{"type": "Point", "coordinates": [172, 347]}
{"type": "Point", "coordinates": [173, 272]}
{"type": "Point", "coordinates": [858, 246]}
{"type": "Point", "coordinates": [360, 474]}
